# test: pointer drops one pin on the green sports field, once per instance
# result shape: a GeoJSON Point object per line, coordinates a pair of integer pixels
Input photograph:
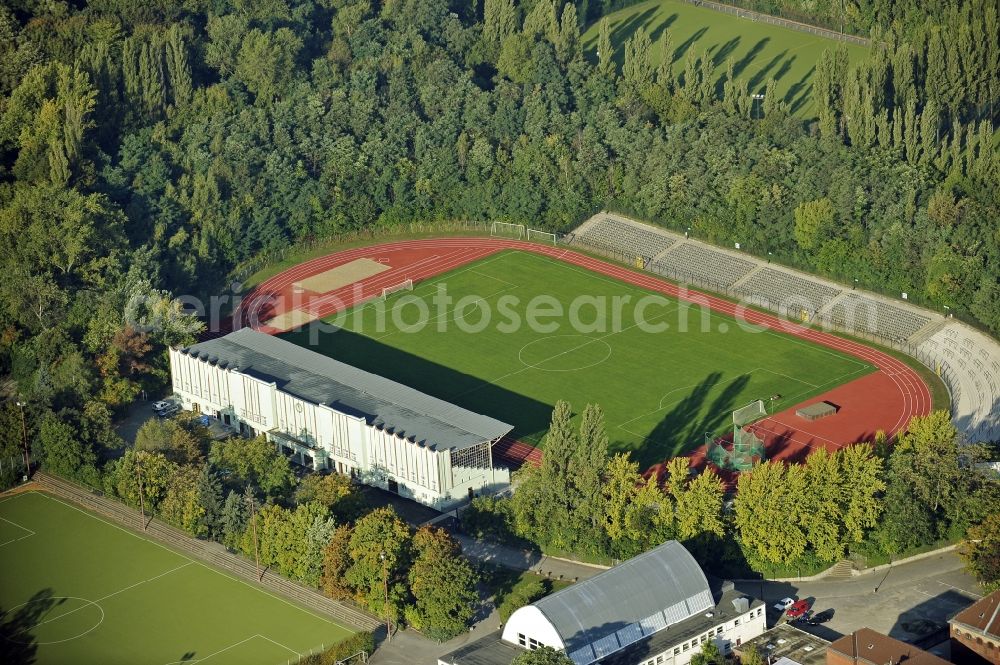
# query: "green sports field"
{"type": "Point", "coordinates": [661, 389]}
{"type": "Point", "coordinates": [75, 589]}
{"type": "Point", "coordinates": [759, 51]}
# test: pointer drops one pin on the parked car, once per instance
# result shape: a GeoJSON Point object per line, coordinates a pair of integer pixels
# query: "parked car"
{"type": "Point", "coordinates": [820, 617]}
{"type": "Point", "coordinates": [169, 410]}
{"type": "Point", "coordinates": [797, 609]}
{"type": "Point", "coordinates": [161, 405]}
{"type": "Point", "coordinates": [784, 604]}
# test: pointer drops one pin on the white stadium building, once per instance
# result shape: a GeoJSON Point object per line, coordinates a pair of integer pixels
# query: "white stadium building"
{"type": "Point", "coordinates": [331, 416]}
{"type": "Point", "coordinates": [655, 609]}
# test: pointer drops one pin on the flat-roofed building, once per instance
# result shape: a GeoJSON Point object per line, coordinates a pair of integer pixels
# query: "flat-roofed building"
{"type": "Point", "coordinates": [868, 647]}
{"type": "Point", "coordinates": [975, 632]}
{"type": "Point", "coordinates": [654, 609]}
{"type": "Point", "coordinates": [785, 641]}
{"type": "Point", "coordinates": [329, 415]}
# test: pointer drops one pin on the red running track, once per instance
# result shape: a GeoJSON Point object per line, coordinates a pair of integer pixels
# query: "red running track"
{"type": "Point", "coordinates": [882, 401]}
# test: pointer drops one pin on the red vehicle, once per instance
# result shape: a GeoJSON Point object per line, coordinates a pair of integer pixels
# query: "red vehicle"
{"type": "Point", "coordinates": [798, 608]}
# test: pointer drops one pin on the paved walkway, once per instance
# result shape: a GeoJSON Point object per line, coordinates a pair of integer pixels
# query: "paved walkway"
{"type": "Point", "coordinates": [517, 559]}
{"type": "Point", "coordinates": [911, 601]}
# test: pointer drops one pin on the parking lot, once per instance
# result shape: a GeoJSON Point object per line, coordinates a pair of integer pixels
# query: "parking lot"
{"type": "Point", "coordinates": [911, 602]}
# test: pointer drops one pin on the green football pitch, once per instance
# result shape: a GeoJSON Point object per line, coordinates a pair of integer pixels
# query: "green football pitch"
{"type": "Point", "coordinates": [759, 51]}
{"type": "Point", "coordinates": [664, 373]}
{"type": "Point", "coordinates": [76, 589]}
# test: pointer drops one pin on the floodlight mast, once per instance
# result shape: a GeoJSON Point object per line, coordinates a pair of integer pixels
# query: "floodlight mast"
{"type": "Point", "coordinates": [385, 579]}
{"type": "Point", "coordinates": [253, 521]}
{"type": "Point", "coordinates": [24, 440]}
{"type": "Point", "coordinates": [138, 476]}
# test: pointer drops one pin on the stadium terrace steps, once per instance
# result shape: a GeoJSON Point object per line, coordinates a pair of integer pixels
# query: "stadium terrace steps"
{"type": "Point", "coordinates": [702, 264]}
{"type": "Point", "coordinates": [788, 291]}
{"type": "Point", "coordinates": [208, 552]}
{"type": "Point", "coordinates": [861, 313]}
{"type": "Point", "coordinates": [969, 361]}
{"type": "Point", "coordinates": [620, 235]}
{"type": "Point", "coordinates": [928, 331]}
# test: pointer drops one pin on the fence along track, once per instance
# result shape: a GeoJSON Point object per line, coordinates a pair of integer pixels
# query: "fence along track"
{"type": "Point", "coordinates": [208, 552]}
{"type": "Point", "coordinates": [780, 21]}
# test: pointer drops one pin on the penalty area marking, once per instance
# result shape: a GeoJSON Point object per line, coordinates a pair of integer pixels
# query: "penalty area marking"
{"type": "Point", "coordinates": [233, 646]}
{"type": "Point", "coordinates": [22, 528]}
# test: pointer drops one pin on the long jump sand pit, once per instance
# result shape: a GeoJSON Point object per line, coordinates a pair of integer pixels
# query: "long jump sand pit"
{"type": "Point", "coordinates": [342, 275]}
{"type": "Point", "coordinates": [291, 320]}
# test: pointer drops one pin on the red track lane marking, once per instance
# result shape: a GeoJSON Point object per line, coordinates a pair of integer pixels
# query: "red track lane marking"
{"type": "Point", "coordinates": [914, 393]}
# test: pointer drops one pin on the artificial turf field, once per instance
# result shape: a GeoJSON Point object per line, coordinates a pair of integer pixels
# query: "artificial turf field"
{"type": "Point", "coordinates": [759, 51]}
{"type": "Point", "coordinates": [76, 589]}
{"type": "Point", "coordinates": [661, 390]}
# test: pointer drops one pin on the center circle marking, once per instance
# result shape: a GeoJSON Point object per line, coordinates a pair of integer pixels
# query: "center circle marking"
{"type": "Point", "coordinates": [593, 341]}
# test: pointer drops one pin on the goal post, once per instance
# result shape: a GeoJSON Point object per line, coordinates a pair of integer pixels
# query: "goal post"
{"type": "Point", "coordinates": [750, 413]}
{"type": "Point", "coordinates": [507, 230]}
{"type": "Point", "coordinates": [405, 285]}
{"type": "Point", "coordinates": [542, 236]}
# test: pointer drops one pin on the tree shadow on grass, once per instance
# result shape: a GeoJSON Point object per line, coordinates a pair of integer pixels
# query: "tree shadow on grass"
{"type": "Point", "coordinates": [745, 61]}
{"type": "Point", "coordinates": [725, 51]}
{"type": "Point", "coordinates": [620, 34]}
{"type": "Point", "coordinates": [761, 74]}
{"type": "Point", "coordinates": [798, 86]}
{"type": "Point", "coordinates": [786, 67]}
{"type": "Point", "coordinates": [528, 416]}
{"type": "Point", "coordinates": [17, 642]}
{"type": "Point", "coordinates": [683, 428]}
{"type": "Point", "coordinates": [654, 34]}
{"type": "Point", "coordinates": [682, 50]}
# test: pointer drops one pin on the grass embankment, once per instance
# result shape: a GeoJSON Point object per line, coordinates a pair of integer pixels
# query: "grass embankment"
{"type": "Point", "coordinates": [759, 51]}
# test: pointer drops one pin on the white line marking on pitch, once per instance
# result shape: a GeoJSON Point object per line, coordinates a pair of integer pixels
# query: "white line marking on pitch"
{"type": "Point", "coordinates": [203, 565]}
{"type": "Point", "coordinates": [233, 646]}
{"type": "Point", "coordinates": [23, 528]}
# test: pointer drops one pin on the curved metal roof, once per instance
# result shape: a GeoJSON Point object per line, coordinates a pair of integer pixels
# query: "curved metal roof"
{"type": "Point", "coordinates": [635, 598]}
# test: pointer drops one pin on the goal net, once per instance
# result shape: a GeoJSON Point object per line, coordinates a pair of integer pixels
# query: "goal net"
{"type": "Point", "coordinates": [542, 236]}
{"type": "Point", "coordinates": [507, 230]}
{"type": "Point", "coordinates": [744, 448]}
{"type": "Point", "coordinates": [750, 413]}
{"type": "Point", "coordinates": [406, 285]}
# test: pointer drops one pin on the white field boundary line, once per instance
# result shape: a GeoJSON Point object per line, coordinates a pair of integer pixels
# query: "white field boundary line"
{"type": "Point", "coordinates": [233, 646]}
{"type": "Point", "coordinates": [913, 396]}
{"type": "Point", "coordinates": [10, 497]}
{"type": "Point", "coordinates": [562, 353]}
{"type": "Point", "coordinates": [315, 303]}
{"type": "Point", "coordinates": [712, 311]}
{"type": "Point", "coordinates": [358, 308]}
{"type": "Point", "coordinates": [200, 563]}
{"type": "Point", "coordinates": [448, 271]}
{"type": "Point", "coordinates": [23, 528]}
{"type": "Point", "coordinates": [115, 593]}
{"type": "Point", "coordinates": [436, 263]}
{"type": "Point", "coordinates": [663, 407]}
{"type": "Point", "coordinates": [443, 315]}
{"type": "Point", "coordinates": [915, 393]}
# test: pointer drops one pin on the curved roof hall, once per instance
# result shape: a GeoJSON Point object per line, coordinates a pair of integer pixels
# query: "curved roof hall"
{"type": "Point", "coordinates": [662, 586]}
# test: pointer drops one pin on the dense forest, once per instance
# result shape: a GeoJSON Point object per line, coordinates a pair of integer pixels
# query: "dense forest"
{"type": "Point", "coordinates": [147, 148]}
